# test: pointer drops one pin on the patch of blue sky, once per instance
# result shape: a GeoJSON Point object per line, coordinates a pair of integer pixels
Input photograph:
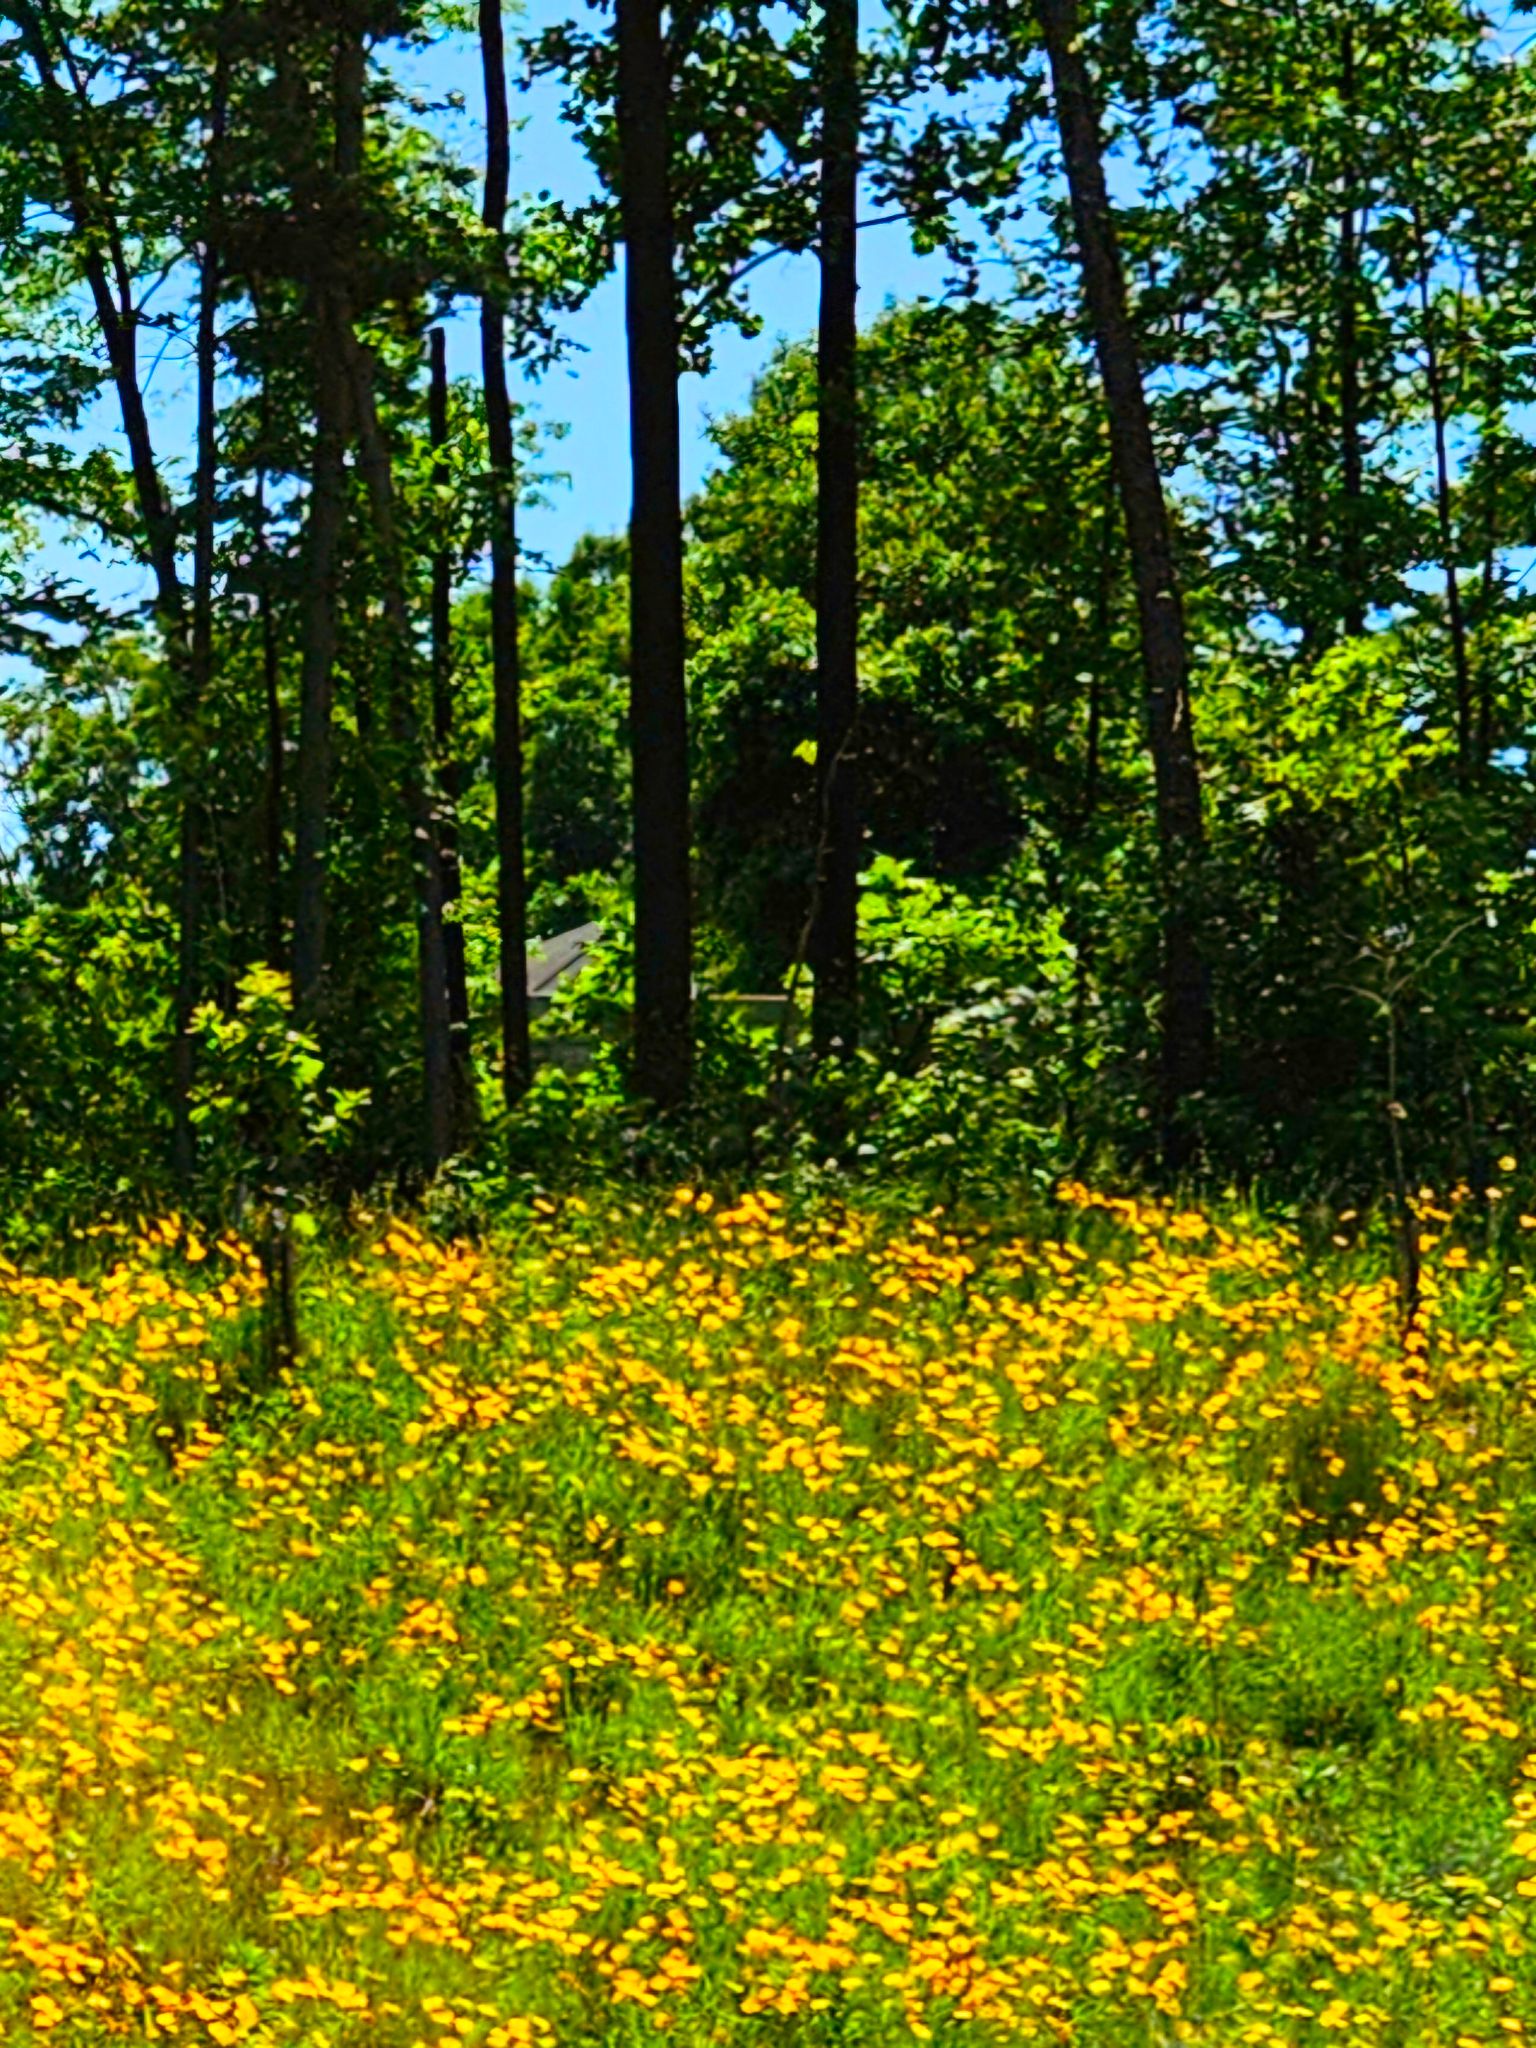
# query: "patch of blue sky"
{"type": "Point", "coordinates": [583, 402]}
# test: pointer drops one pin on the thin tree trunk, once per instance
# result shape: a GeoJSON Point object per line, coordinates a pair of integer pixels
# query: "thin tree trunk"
{"type": "Point", "coordinates": [1461, 665]}
{"type": "Point", "coordinates": [193, 823]}
{"type": "Point", "coordinates": [1295, 457]}
{"type": "Point", "coordinates": [1186, 1017]}
{"type": "Point", "coordinates": [1487, 598]}
{"type": "Point", "coordinates": [1093, 750]}
{"type": "Point", "coordinates": [272, 708]}
{"type": "Point", "coordinates": [449, 778]}
{"type": "Point", "coordinates": [835, 935]}
{"type": "Point", "coordinates": [317, 671]}
{"type": "Point", "coordinates": [1080, 926]}
{"type": "Point", "coordinates": [273, 778]}
{"type": "Point", "coordinates": [331, 332]}
{"type": "Point", "coordinates": [1320, 627]}
{"type": "Point", "coordinates": [663, 1050]}
{"type": "Point", "coordinates": [1351, 453]}
{"type": "Point", "coordinates": [426, 859]}
{"type": "Point", "coordinates": [506, 665]}
{"type": "Point", "coordinates": [1492, 438]}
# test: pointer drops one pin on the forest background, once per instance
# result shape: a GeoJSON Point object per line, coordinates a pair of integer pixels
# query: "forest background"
{"type": "Point", "coordinates": [1097, 687]}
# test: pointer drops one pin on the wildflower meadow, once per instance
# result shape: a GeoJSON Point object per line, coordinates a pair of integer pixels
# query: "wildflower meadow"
{"type": "Point", "coordinates": [734, 1622]}
{"type": "Point", "coordinates": [767, 1023]}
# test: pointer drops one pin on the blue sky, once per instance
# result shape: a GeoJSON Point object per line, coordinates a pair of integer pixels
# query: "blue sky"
{"type": "Point", "coordinates": [590, 393]}
{"type": "Point", "coordinates": [587, 395]}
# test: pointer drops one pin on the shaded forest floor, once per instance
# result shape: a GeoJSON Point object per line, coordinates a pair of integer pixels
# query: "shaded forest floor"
{"type": "Point", "coordinates": [738, 1625]}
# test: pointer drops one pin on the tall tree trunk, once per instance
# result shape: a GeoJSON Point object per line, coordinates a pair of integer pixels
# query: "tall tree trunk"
{"type": "Point", "coordinates": [330, 334]}
{"type": "Point", "coordinates": [449, 779]}
{"type": "Point", "coordinates": [193, 822]}
{"type": "Point", "coordinates": [663, 1052]}
{"type": "Point", "coordinates": [1352, 547]}
{"type": "Point", "coordinates": [1103, 605]}
{"type": "Point", "coordinates": [1186, 1015]}
{"type": "Point", "coordinates": [1080, 926]}
{"type": "Point", "coordinates": [98, 232]}
{"type": "Point", "coordinates": [1488, 597]}
{"type": "Point", "coordinates": [1320, 626]}
{"type": "Point", "coordinates": [1467, 763]}
{"type": "Point", "coordinates": [272, 715]}
{"type": "Point", "coordinates": [506, 666]}
{"type": "Point", "coordinates": [835, 935]}
{"type": "Point", "coordinates": [273, 777]}
{"type": "Point", "coordinates": [317, 672]}
{"type": "Point", "coordinates": [377, 472]}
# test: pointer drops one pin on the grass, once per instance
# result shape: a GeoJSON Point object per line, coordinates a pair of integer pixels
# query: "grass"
{"type": "Point", "coordinates": [748, 1626]}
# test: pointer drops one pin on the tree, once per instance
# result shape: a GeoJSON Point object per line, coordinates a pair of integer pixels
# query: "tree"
{"type": "Point", "coordinates": [377, 467]}
{"type": "Point", "coordinates": [658, 678]}
{"type": "Point", "coordinates": [445, 745]}
{"type": "Point", "coordinates": [835, 931]}
{"type": "Point", "coordinates": [998, 632]}
{"type": "Point", "coordinates": [330, 323]}
{"type": "Point", "coordinates": [102, 256]}
{"type": "Point", "coordinates": [506, 684]}
{"type": "Point", "coordinates": [194, 709]}
{"type": "Point", "coordinates": [328, 222]}
{"type": "Point", "coordinates": [1187, 1021]}
{"type": "Point", "coordinates": [696, 194]}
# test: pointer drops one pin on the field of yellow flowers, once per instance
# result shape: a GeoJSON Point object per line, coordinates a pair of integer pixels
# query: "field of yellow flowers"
{"type": "Point", "coordinates": [740, 1624]}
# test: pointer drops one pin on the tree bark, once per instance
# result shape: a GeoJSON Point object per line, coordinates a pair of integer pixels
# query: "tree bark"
{"type": "Point", "coordinates": [193, 823]}
{"type": "Point", "coordinates": [1094, 740]}
{"type": "Point", "coordinates": [835, 934]}
{"type": "Point", "coordinates": [1319, 624]}
{"type": "Point", "coordinates": [1351, 453]}
{"type": "Point", "coordinates": [1487, 598]}
{"type": "Point", "coordinates": [1467, 763]}
{"type": "Point", "coordinates": [506, 664]}
{"type": "Point", "coordinates": [331, 333]}
{"type": "Point", "coordinates": [272, 712]}
{"type": "Point", "coordinates": [377, 472]}
{"type": "Point", "coordinates": [317, 672]}
{"type": "Point", "coordinates": [663, 1043]}
{"type": "Point", "coordinates": [449, 779]}
{"type": "Point", "coordinates": [1186, 1014]}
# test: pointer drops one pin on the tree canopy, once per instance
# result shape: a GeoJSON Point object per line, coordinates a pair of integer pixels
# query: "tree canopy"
{"type": "Point", "coordinates": [1100, 691]}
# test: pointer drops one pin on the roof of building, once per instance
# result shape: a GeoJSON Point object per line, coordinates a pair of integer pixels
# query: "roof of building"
{"type": "Point", "coordinates": [551, 961]}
